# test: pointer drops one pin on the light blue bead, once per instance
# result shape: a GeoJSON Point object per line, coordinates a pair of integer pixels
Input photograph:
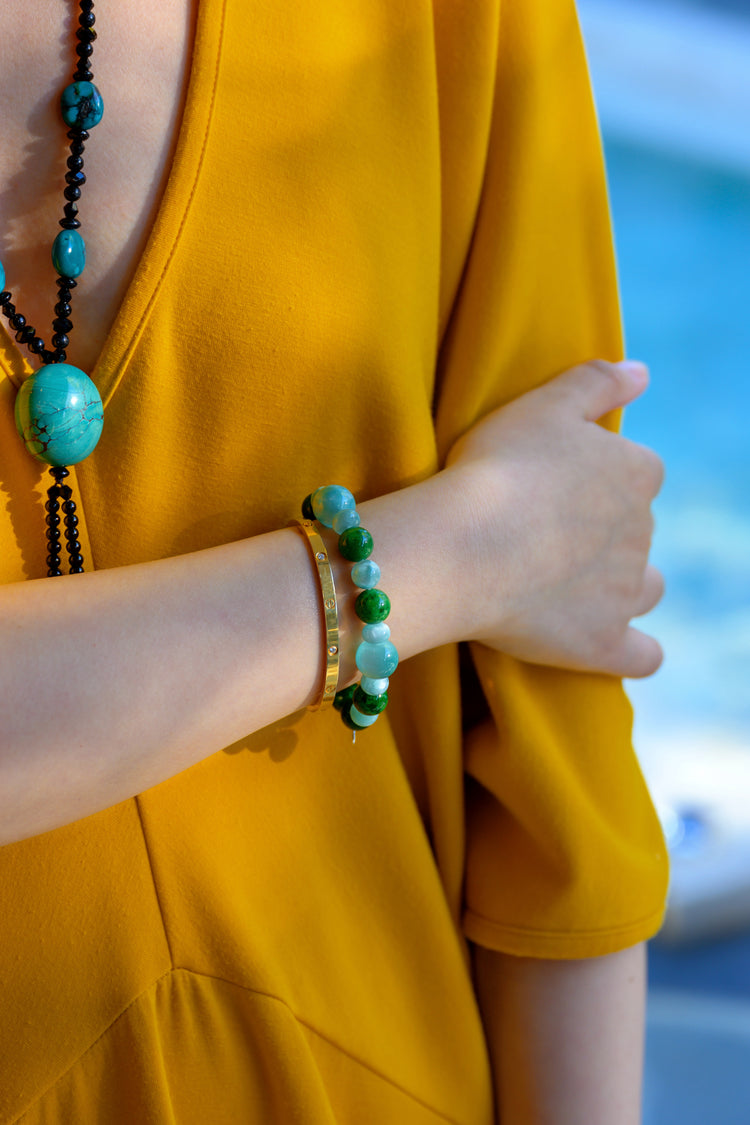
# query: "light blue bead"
{"type": "Point", "coordinates": [345, 519]}
{"type": "Point", "coordinates": [59, 414]}
{"type": "Point", "coordinates": [360, 719]}
{"type": "Point", "coordinates": [375, 634]}
{"type": "Point", "coordinates": [374, 687]}
{"type": "Point", "coordinates": [377, 660]}
{"type": "Point", "coordinates": [329, 500]}
{"type": "Point", "coordinates": [81, 105]}
{"type": "Point", "coordinates": [69, 253]}
{"type": "Point", "coordinates": [2, 276]}
{"type": "Point", "coordinates": [366, 574]}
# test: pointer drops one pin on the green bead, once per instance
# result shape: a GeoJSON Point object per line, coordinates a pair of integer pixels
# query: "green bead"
{"type": "Point", "coordinates": [356, 544]}
{"type": "Point", "coordinates": [372, 606]}
{"type": "Point", "coordinates": [343, 699]}
{"type": "Point", "coordinates": [69, 253]}
{"type": "Point", "coordinates": [370, 704]}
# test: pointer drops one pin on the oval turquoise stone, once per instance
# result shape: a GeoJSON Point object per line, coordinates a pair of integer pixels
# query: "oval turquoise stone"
{"type": "Point", "coordinates": [329, 500]}
{"type": "Point", "coordinates": [81, 105]}
{"type": "Point", "coordinates": [69, 253]}
{"type": "Point", "coordinates": [372, 606]}
{"type": "Point", "coordinates": [356, 544]}
{"type": "Point", "coordinates": [377, 660]}
{"type": "Point", "coordinates": [2, 276]}
{"type": "Point", "coordinates": [59, 414]}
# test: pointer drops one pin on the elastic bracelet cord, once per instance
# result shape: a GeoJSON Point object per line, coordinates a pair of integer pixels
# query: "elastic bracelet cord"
{"type": "Point", "coordinates": [330, 613]}
{"type": "Point", "coordinates": [376, 656]}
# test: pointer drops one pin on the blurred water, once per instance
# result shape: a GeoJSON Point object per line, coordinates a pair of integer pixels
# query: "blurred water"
{"type": "Point", "coordinates": [683, 239]}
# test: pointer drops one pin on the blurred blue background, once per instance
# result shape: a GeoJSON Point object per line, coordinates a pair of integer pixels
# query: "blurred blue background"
{"type": "Point", "coordinates": [672, 82]}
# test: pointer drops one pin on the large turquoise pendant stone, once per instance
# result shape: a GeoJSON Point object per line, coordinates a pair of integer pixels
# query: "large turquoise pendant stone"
{"type": "Point", "coordinates": [59, 414]}
{"type": "Point", "coordinates": [81, 105]}
{"type": "Point", "coordinates": [69, 253]}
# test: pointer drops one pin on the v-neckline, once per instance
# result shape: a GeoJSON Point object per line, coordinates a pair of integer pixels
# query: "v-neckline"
{"type": "Point", "coordinates": [171, 215]}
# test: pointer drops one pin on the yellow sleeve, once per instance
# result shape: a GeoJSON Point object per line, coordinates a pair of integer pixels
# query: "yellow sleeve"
{"type": "Point", "coordinates": [565, 857]}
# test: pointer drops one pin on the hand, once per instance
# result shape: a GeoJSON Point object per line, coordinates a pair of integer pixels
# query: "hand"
{"type": "Point", "coordinates": [561, 525]}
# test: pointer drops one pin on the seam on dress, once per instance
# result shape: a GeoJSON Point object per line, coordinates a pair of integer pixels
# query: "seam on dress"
{"type": "Point", "coordinates": [154, 881]}
{"type": "Point", "coordinates": [137, 331]}
{"type": "Point", "coordinates": [524, 931]}
{"type": "Point", "coordinates": [255, 992]}
{"type": "Point", "coordinates": [77, 1059]}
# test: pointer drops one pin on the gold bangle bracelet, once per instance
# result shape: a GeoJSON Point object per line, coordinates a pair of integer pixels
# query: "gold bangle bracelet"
{"type": "Point", "coordinates": [330, 612]}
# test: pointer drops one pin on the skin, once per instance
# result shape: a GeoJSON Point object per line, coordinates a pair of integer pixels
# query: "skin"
{"type": "Point", "coordinates": [198, 640]}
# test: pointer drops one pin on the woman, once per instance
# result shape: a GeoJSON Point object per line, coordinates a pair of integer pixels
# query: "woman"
{"type": "Point", "coordinates": [356, 246]}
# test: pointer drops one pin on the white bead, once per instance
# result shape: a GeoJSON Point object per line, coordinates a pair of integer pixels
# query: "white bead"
{"type": "Point", "coordinates": [373, 686]}
{"type": "Point", "coordinates": [376, 633]}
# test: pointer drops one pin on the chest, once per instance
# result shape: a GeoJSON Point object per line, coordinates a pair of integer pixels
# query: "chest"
{"type": "Point", "coordinates": [140, 63]}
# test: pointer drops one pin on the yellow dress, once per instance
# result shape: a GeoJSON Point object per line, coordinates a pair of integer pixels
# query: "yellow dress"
{"type": "Point", "coordinates": [383, 220]}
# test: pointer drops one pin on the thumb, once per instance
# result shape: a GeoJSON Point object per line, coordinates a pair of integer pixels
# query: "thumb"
{"type": "Point", "coordinates": [599, 387]}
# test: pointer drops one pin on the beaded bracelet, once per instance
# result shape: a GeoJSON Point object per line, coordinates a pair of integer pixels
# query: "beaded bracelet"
{"type": "Point", "coordinates": [376, 656]}
{"type": "Point", "coordinates": [330, 613]}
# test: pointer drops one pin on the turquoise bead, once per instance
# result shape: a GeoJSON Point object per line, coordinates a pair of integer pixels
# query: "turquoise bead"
{"type": "Point", "coordinates": [374, 687]}
{"type": "Point", "coordinates": [2, 276]}
{"type": "Point", "coordinates": [377, 660]}
{"type": "Point", "coordinates": [345, 519]}
{"type": "Point", "coordinates": [69, 253]}
{"type": "Point", "coordinates": [81, 105]}
{"type": "Point", "coordinates": [59, 414]}
{"type": "Point", "coordinates": [329, 500]}
{"type": "Point", "coordinates": [366, 574]}
{"type": "Point", "coordinates": [372, 606]}
{"type": "Point", "coordinates": [361, 720]}
{"type": "Point", "coordinates": [356, 544]}
{"type": "Point", "coordinates": [376, 633]}
{"type": "Point", "coordinates": [370, 704]}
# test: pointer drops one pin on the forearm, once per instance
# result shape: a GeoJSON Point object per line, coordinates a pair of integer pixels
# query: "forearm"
{"type": "Point", "coordinates": [565, 1037]}
{"type": "Point", "coordinates": [113, 681]}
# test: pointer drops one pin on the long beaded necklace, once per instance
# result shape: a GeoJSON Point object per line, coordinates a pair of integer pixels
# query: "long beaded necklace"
{"type": "Point", "coordinates": [59, 412]}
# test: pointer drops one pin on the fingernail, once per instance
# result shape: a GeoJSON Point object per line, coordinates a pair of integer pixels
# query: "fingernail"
{"type": "Point", "coordinates": [634, 367]}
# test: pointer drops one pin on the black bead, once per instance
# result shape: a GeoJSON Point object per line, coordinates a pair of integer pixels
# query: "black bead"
{"type": "Point", "coordinates": [26, 335]}
{"type": "Point", "coordinates": [69, 224]}
{"type": "Point", "coordinates": [77, 178]}
{"type": "Point", "coordinates": [76, 570]}
{"type": "Point", "coordinates": [5, 297]}
{"type": "Point", "coordinates": [65, 490]}
{"type": "Point", "coordinates": [37, 345]}
{"type": "Point", "coordinates": [70, 210]}
{"type": "Point", "coordinates": [52, 506]}
{"type": "Point", "coordinates": [87, 19]}
{"type": "Point", "coordinates": [76, 559]}
{"type": "Point", "coordinates": [72, 192]}
{"type": "Point", "coordinates": [77, 136]}
{"type": "Point", "coordinates": [87, 5]}
{"type": "Point", "coordinates": [59, 472]}
{"type": "Point", "coordinates": [17, 321]}
{"type": "Point", "coordinates": [60, 355]}
{"type": "Point", "coordinates": [55, 573]}
{"type": "Point", "coordinates": [69, 506]}
{"type": "Point", "coordinates": [75, 163]}
{"type": "Point", "coordinates": [77, 147]}
{"type": "Point", "coordinates": [71, 522]}
{"type": "Point", "coordinates": [48, 356]}
{"type": "Point", "coordinates": [65, 283]}
{"type": "Point", "coordinates": [9, 308]}
{"type": "Point", "coordinates": [61, 324]}
{"type": "Point", "coordinates": [307, 508]}
{"type": "Point", "coordinates": [84, 50]}
{"type": "Point", "coordinates": [60, 340]}
{"type": "Point", "coordinates": [73, 548]}
{"type": "Point", "coordinates": [52, 520]}
{"type": "Point", "coordinates": [62, 308]}
{"type": "Point", "coordinates": [86, 34]}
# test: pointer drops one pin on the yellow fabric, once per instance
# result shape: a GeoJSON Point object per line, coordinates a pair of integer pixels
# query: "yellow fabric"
{"type": "Point", "coordinates": [383, 219]}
